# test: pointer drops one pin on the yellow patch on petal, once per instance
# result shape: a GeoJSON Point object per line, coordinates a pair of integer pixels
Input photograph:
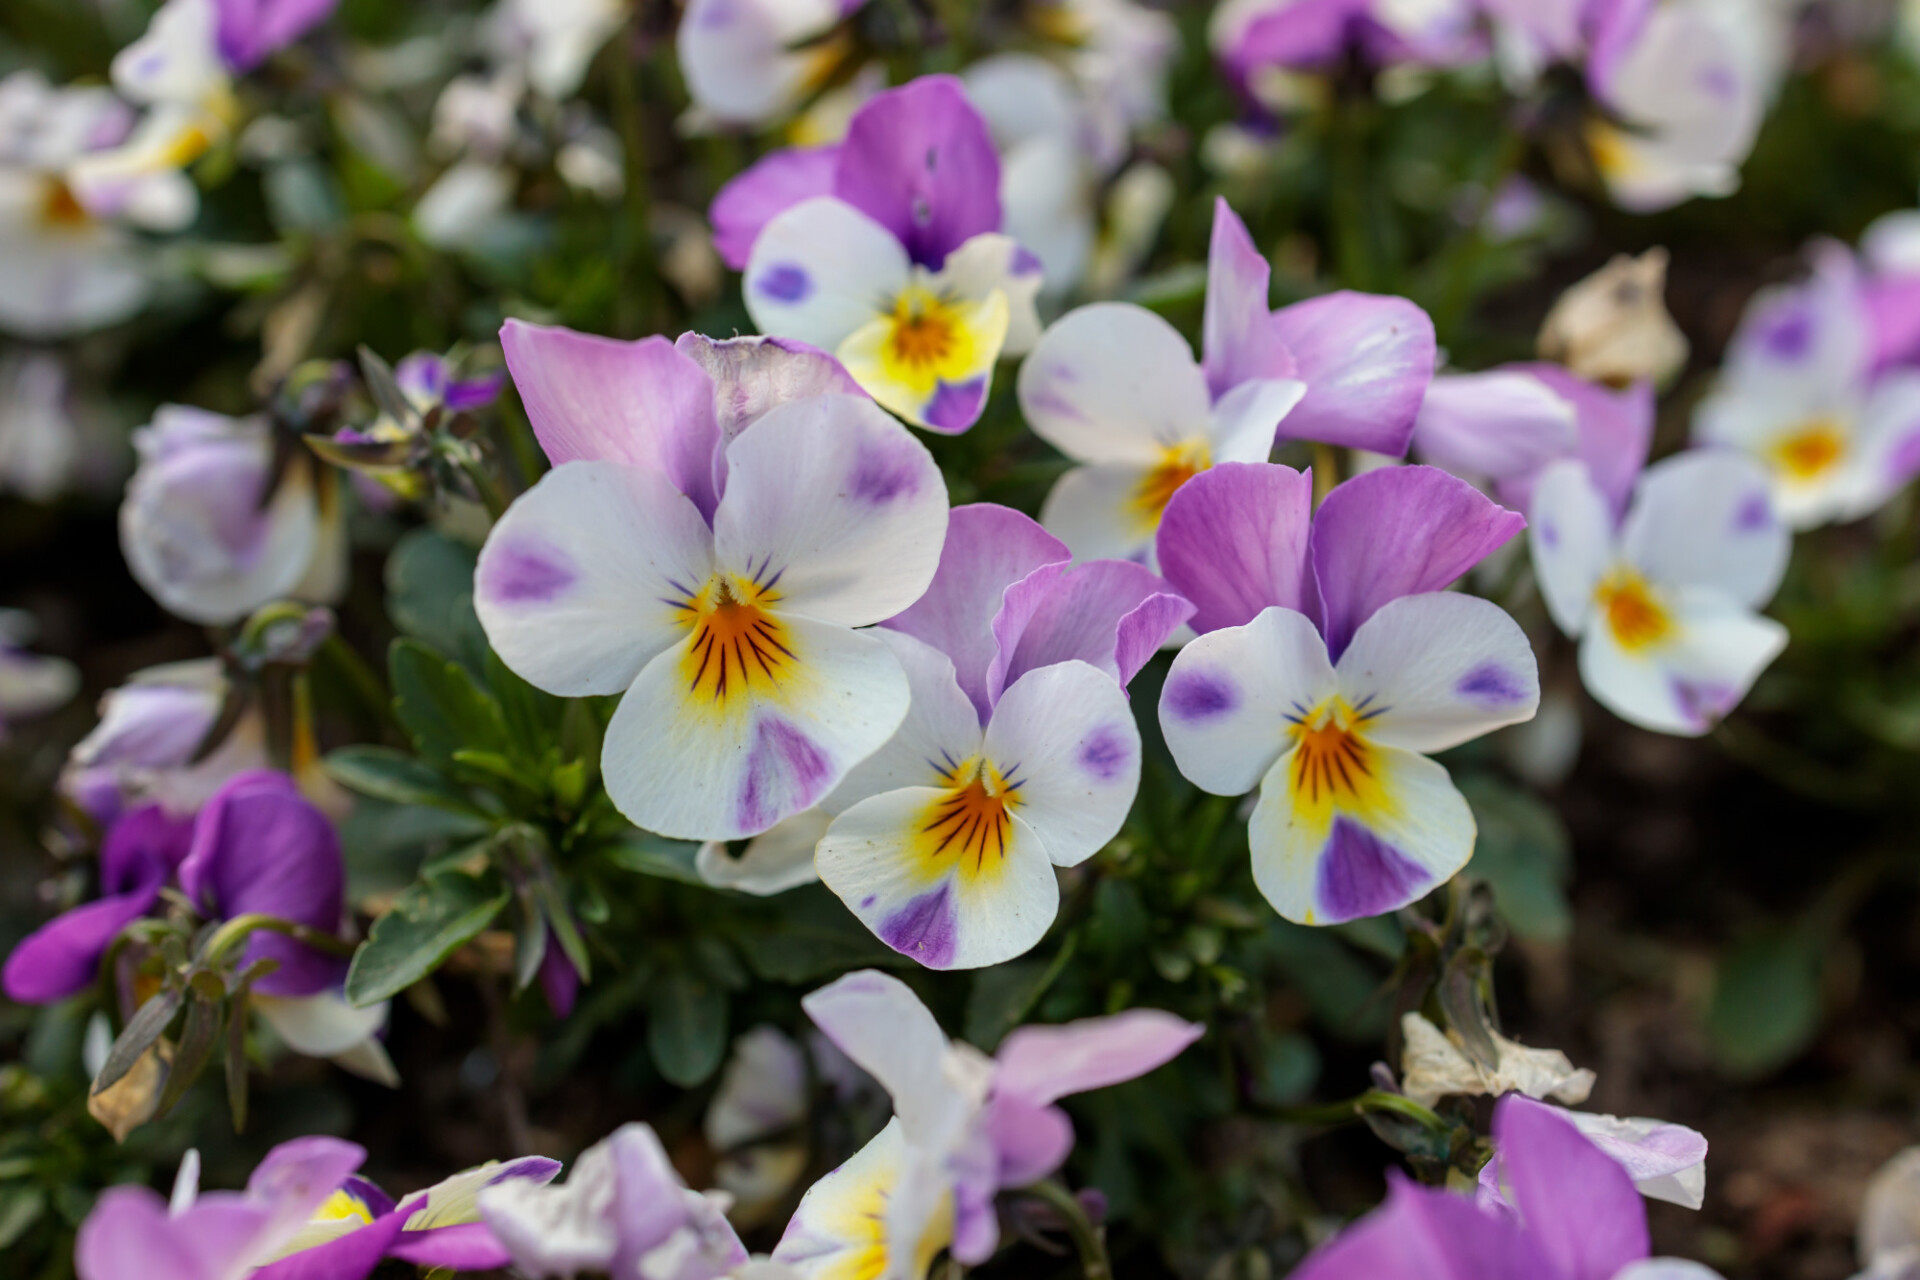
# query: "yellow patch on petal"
{"type": "Point", "coordinates": [967, 829]}
{"type": "Point", "coordinates": [342, 1206]}
{"type": "Point", "coordinates": [1612, 149]}
{"type": "Point", "coordinates": [923, 340]}
{"type": "Point", "coordinates": [1631, 612]}
{"type": "Point", "coordinates": [1810, 450]}
{"type": "Point", "coordinates": [1334, 769]}
{"type": "Point", "coordinates": [60, 210]}
{"type": "Point", "coordinates": [738, 650]}
{"type": "Point", "coordinates": [868, 1251]}
{"type": "Point", "coordinates": [1178, 464]}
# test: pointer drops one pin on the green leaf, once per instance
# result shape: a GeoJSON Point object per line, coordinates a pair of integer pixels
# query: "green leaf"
{"type": "Point", "coordinates": [397, 777]}
{"type": "Point", "coordinates": [1289, 1066]}
{"type": "Point", "coordinates": [430, 594]}
{"type": "Point", "coordinates": [647, 854]}
{"type": "Point", "coordinates": [197, 1039]}
{"type": "Point", "coordinates": [148, 1023]}
{"type": "Point", "coordinates": [687, 1026]}
{"type": "Point", "coordinates": [426, 924]}
{"type": "Point", "coordinates": [20, 1209]}
{"type": "Point", "coordinates": [1005, 994]}
{"type": "Point", "coordinates": [1766, 1001]}
{"type": "Point", "coordinates": [1524, 853]}
{"type": "Point", "coordinates": [813, 935]}
{"type": "Point", "coordinates": [441, 705]}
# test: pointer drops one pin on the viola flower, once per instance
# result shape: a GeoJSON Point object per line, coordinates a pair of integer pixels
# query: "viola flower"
{"type": "Point", "coordinates": [1888, 1235]}
{"type": "Point", "coordinates": [623, 1210]}
{"type": "Point", "coordinates": [717, 585]}
{"type": "Point", "coordinates": [1257, 40]}
{"type": "Point", "coordinates": [1115, 388]}
{"type": "Point", "coordinates": [1019, 753]}
{"type": "Point", "coordinates": [1331, 659]}
{"type": "Point", "coordinates": [965, 1126]}
{"type": "Point", "coordinates": [214, 525]}
{"type": "Point", "coordinates": [1799, 392]}
{"type": "Point", "coordinates": [1579, 1219]}
{"type": "Point", "coordinates": [31, 684]}
{"type": "Point", "coordinates": [1663, 601]}
{"type": "Point", "coordinates": [752, 62]}
{"type": "Point", "coordinates": [885, 250]}
{"type": "Point", "coordinates": [1666, 1161]}
{"type": "Point", "coordinates": [70, 267]}
{"type": "Point", "coordinates": [778, 859]}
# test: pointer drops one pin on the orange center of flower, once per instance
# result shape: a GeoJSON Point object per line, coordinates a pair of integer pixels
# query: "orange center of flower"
{"type": "Point", "coordinates": [925, 331]}
{"type": "Point", "coordinates": [1811, 450]}
{"type": "Point", "coordinates": [59, 209]}
{"type": "Point", "coordinates": [738, 650]}
{"type": "Point", "coordinates": [1636, 619]}
{"type": "Point", "coordinates": [1334, 767]}
{"type": "Point", "coordinates": [969, 827]}
{"type": "Point", "coordinates": [1178, 464]}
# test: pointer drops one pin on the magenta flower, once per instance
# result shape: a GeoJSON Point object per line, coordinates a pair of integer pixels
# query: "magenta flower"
{"type": "Point", "coordinates": [1579, 1218]}
{"type": "Point", "coordinates": [1252, 37]}
{"type": "Point", "coordinates": [1331, 659]}
{"type": "Point", "coordinates": [1018, 754]}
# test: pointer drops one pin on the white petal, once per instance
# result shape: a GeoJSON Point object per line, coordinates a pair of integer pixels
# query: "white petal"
{"type": "Point", "coordinates": [1685, 683]}
{"type": "Point", "coordinates": [1704, 518]}
{"type": "Point", "coordinates": [1065, 736]}
{"type": "Point", "coordinates": [882, 1214]}
{"type": "Point", "coordinates": [1245, 419]}
{"type": "Point", "coordinates": [839, 503]}
{"type": "Point", "coordinates": [821, 270]}
{"type": "Point", "coordinates": [681, 764]}
{"type": "Point", "coordinates": [1227, 699]}
{"type": "Point", "coordinates": [763, 1090]}
{"type": "Point", "coordinates": [1666, 1269]}
{"type": "Point", "coordinates": [774, 861]}
{"type": "Point", "coordinates": [322, 1025]}
{"type": "Point", "coordinates": [369, 1061]}
{"type": "Point", "coordinates": [1113, 382]}
{"type": "Point", "coordinates": [177, 59]}
{"type": "Point", "coordinates": [1048, 196]}
{"type": "Point", "coordinates": [876, 1020]}
{"type": "Point", "coordinates": [941, 730]}
{"type": "Point", "coordinates": [1432, 671]}
{"type": "Point", "coordinates": [735, 54]}
{"type": "Point", "coordinates": [988, 263]}
{"type": "Point", "coordinates": [1570, 532]}
{"type": "Point", "coordinates": [580, 583]}
{"type": "Point", "coordinates": [949, 898]}
{"type": "Point", "coordinates": [1095, 511]}
{"type": "Point", "coordinates": [1887, 451]}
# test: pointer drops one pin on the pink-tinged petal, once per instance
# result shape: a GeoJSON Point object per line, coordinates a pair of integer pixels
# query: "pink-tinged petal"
{"type": "Point", "coordinates": [1246, 418]}
{"type": "Point", "coordinates": [1225, 705]}
{"type": "Point", "coordinates": [838, 506]}
{"type": "Point", "coordinates": [1301, 35]}
{"type": "Point", "coordinates": [1493, 425]}
{"type": "Point", "coordinates": [1030, 1139]}
{"type": "Point", "coordinates": [464, 1246]}
{"type": "Point", "coordinates": [1366, 360]}
{"type": "Point", "coordinates": [1615, 432]}
{"type": "Point", "coordinates": [1705, 518]}
{"type": "Point", "coordinates": [581, 582]}
{"type": "Point", "coordinates": [754, 375]}
{"type": "Point", "coordinates": [249, 30]}
{"type": "Point", "coordinates": [1112, 614]}
{"type": "Point", "coordinates": [1043, 1064]}
{"type": "Point", "coordinates": [920, 161]}
{"type": "Point", "coordinates": [352, 1256]}
{"type": "Point", "coordinates": [130, 1233]}
{"type": "Point", "coordinates": [1666, 1161]}
{"type": "Point", "coordinates": [988, 549]}
{"type": "Point", "coordinates": [1063, 736]}
{"type": "Point", "coordinates": [876, 1020]}
{"type": "Point", "coordinates": [1398, 531]}
{"type": "Point", "coordinates": [1424, 1233]}
{"type": "Point", "coordinates": [1579, 1204]}
{"type": "Point", "coordinates": [1892, 306]}
{"type": "Point", "coordinates": [1233, 540]}
{"type": "Point", "coordinates": [1617, 28]}
{"type": "Point", "coordinates": [603, 400]}
{"type": "Point", "coordinates": [765, 189]}
{"type": "Point", "coordinates": [1889, 445]}
{"type": "Point", "coordinates": [1433, 671]}
{"type": "Point", "coordinates": [750, 62]}
{"type": "Point", "coordinates": [1238, 334]}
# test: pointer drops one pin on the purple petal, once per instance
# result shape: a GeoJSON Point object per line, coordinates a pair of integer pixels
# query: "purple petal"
{"type": "Point", "coordinates": [352, 1256]}
{"type": "Point", "coordinates": [988, 548]}
{"type": "Point", "coordinates": [1031, 1139]}
{"type": "Point", "coordinates": [1234, 541]}
{"type": "Point", "coordinates": [464, 1246]}
{"type": "Point", "coordinates": [1304, 34]}
{"type": "Point", "coordinates": [1366, 360]}
{"type": "Point", "coordinates": [249, 30]}
{"type": "Point", "coordinates": [1615, 429]}
{"type": "Point", "coordinates": [1500, 425]}
{"type": "Point", "coordinates": [919, 161]}
{"type": "Point", "coordinates": [642, 403]}
{"type": "Point", "coordinates": [1042, 1064]}
{"type": "Point", "coordinates": [129, 1233]}
{"type": "Point", "coordinates": [1578, 1203]}
{"type": "Point", "coordinates": [260, 846]}
{"type": "Point", "coordinates": [1238, 335]}
{"type": "Point", "coordinates": [1892, 304]}
{"type": "Point", "coordinates": [1398, 531]}
{"type": "Point", "coordinates": [1061, 612]}
{"type": "Point", "coordinates": [1424, 1233]}
{"type": "Point", "coordinates": [1617, 28]}
{"type": "Point", "coordinates": [559, 980]}
{"type": "Point", "coordinates": [753, 198]}
{"type": "Point", "coordinates": [1362, 875]}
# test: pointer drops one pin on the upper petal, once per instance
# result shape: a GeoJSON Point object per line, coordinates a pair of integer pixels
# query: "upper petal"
{"type": "Point", "coordinates": [583, 579]}
{"type": "Point", "coordinates": [839, 503]}
{"type": "Point", "coordinates": [603, 400]}
{"type": "Point", "coordinates": [820, 270]}
{"type": "Point", "coordinates": [1113, 382]}
{"type": "Point", "coordinates": [1042, 1064]}
{"type": "Point", "coordinates": [1433, 671]}
{"type": "Point", "coordinates": [1398, 531]}
{"type": "Point", "coordinates": [876, 1020]}
{"type": "Point", "coordinates": [1112, 614]}
{"type": "Point", "coordinates": [1065, 739]}
{"type": "Point", "coordinates": [1233, 540]}
{"type": "Point", "coordinates": [1615, 430]}
{"type": "Point", "coordinates": [739, 59]}
{"type": "Point", "coordinates": [753, 375]}
{"type": "Point", "coordinates": [1496, 424]}
{"type": "Point", "coordinates": [1425, 1233]}
{"type": "Point", "coordinates": [920, 161]}
{"type": "Point", "coordinates": [765, 189]}
{"type": "Point", "coordinates": [1227, 701]}
{"type": "Point", "coordinates": [1578, 1204]}
{"type": "Point", "coordinates": [1366, 360]}
{"type": "Point", "coordinates": [1238, 335]}
{"type": "Point", "coordinates": [1704, 518]}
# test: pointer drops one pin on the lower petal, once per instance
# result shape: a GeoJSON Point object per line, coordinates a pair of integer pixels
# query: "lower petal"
{"type": "Point", "coordinates": [879, 1214]}
{"type": "Point", "coordinates": [1094, 511]}
{"type": "Point", "coordinates": [950, 899]}
{"type": "Point", "coordinates": [1685, 684]}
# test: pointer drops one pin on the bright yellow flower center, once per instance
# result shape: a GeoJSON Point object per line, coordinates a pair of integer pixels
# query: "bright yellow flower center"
{"type": "Point", "coordinates": [968, 828]}
{"type": "Point", "coordinates": [1811, 449]}
{"type": "Point", "coordinates": [1178, 464]}
{"type": "Point", "coordinates": [738, 649]}
{"type": "Point", "coordinates": [1334, 766]}
{"type": "Point", "coordinates": [929, 339]}
{"type": "Point", "coordinates": [871, 1251]}
{"type": "Point", "coordinates": [1636, 618]}
{"type": "Point", "coordinates": [1613, 154]}
{"type": "Point", "coordinates": [342, 1207]}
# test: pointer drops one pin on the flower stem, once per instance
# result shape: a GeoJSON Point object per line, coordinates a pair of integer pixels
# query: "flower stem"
{"type": "Point", "coordinates": [1088, 1240]}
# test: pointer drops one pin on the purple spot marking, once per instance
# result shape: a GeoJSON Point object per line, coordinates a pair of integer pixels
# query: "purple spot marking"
{"type": "Point", "coordinates": [881, 474]}
{"type": "Point", "coordinates": [1549, 536]}
{"type": "Point", "coordinates": [718, 14]}
{"type": "Point", "coordinates": [867, 901]}
{"type": "Point", "coordinates": [1720, 82]}
{"type": "Point", "coordinates": [785, 282]}
{"type": "Point", "coordinates": [1789, 337]}
{"type": "Point", "coordinates": [956, 405]}
{"type": "Point", "coordinates": [1104, 754]}
{"type": "Point", "coordinates": [1363, 875]}
{"type": "Point", "coordinates": [1703, 704]}
{"type": "Point", "coordinates": [1025, 262]}
{"type": "Point", "coordinates": [1490, 684]}
{"type": "Point", "coordinates": [925, 928]}
{"type": "Point", "coordinates": [527, 573]}
{"type": "Point", "coordinates": [786, 772]}
{"type": "Point", "coordinates": [1196, 695]}
{"type": "Point", "coordinates": [1755, 514]}
{"type": "Point", "coordinates": [1047, 400]}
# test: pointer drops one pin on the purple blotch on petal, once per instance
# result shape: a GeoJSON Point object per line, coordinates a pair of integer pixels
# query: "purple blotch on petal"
{"type": "Point", "coordinates": [1548, 535]}
{"type": "Point", "coordinates": [784, 282]}
{"type": "Point", "coordinates": [1025, 263]}
{"type": "Point", "coordinates": [1789, 337]}
{"type": "Point", "coordinates": [786, 772]}
{"type": "Point", "coordinates": [867, 901]}
{"type": "Point", "coordinates": [1103, 753]}
{"type": "Point", "coordinates": [881, 474]}
{"type": "Point", "coordinates": [527, 573]}
{"type": "Point", "coordinates": [1197, 695]}
{"type": "Point", "coordinates": [956, 405]}
{"type": "Point", "coordinates": [1363, 875]}
{"type": "Point", "coordinates": [925, 928]}
{"type": "Point", "coordinates": [1491, 684]}
{"type": "Point", "coordinates": [1755, 514]}
{"type": "Point", "coordinates": [1703, 704]}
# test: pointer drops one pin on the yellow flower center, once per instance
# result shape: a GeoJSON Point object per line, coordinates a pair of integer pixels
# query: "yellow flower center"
{"type": "Point", "coordinates": [60, 210]}
{"type": "Point", "coordinates": [1636, 618]}
{"type": "Point", "coordinates": [1178, 464]}
{"type": "Point", "coordinates": [1334, 766]}
{"type": "Point", "coordinates": [738, 650]}
{"type": "Point", "coordinates": [342, 1207]}
{"type": "Point", "coordinates": [968, 828]}
{"type": "Point", "coordinates": [1811, 449]}
{"type": "Point", "coordinates": [871, 1252]}
{"type": "Point", "coordinates": [1613, 155]}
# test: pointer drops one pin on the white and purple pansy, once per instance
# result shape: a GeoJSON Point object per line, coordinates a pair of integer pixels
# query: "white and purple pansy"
{"type": "Point", "coordinates": [886, 250]}
{"type": "Point", "coordinates": [719, 585]}
{"type": "Point", "coordinates": [1019, 753]}
{"type": "Point", "coordinates": [1664, 601]}
{"type": "Point", "coordinates": [751, 62]}
{"type": "Point", "coordinates": [1666, 1161]}
{"type": "Point", "coordinates": [1331, 659]}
